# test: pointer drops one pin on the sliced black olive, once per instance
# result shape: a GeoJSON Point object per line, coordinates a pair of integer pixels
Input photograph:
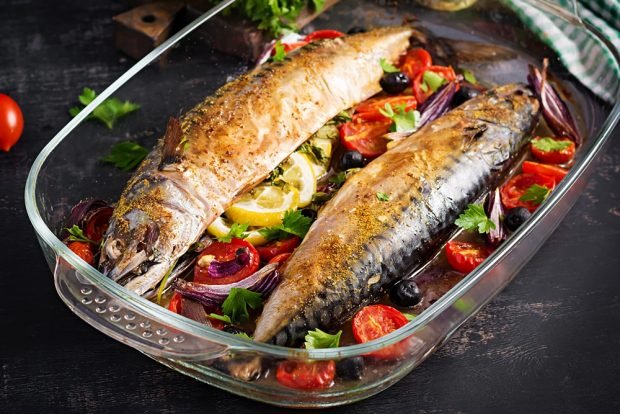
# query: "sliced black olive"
{"type": "Point", "coordinates": [350, 368]}
{"type": "Point", "coordinates": [232, 330]}
{"type": "Point", "coordinates": [464, 94]}
{"type": "Point", "coordinates": [356, 29]}
{"type": "Point", "coordinates": [516, 217]}
{"type": "Point", "coordinates": [308, 212]}
{"type": "Point", "coordinates": [405, 294]}
{"type": "Point", "coordinates": [394, 82]}
{"type": "Point", "coordinates": [351, 159]}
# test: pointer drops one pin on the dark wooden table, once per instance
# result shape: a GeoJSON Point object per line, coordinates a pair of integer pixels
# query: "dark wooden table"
{"type": "Point", "coordinates": [549, 343]}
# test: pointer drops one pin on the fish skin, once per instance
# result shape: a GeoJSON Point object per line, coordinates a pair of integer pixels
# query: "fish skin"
{"type": "Point", "coordinates": [230, 142]}
{"type": "Point", "coordinates": [359, 245]}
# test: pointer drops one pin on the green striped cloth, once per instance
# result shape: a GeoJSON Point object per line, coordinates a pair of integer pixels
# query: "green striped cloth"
{"type": "Point", "coordinates": [588, 59]}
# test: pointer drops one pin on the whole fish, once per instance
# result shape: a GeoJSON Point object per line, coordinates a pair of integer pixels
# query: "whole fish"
{"type": "Point", "coordinates": [230, 142]}
{"type": "Point", "coordinates": [361, 245]}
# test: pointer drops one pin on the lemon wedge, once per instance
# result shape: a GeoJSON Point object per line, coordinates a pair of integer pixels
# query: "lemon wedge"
{"type": "Point", "coordinates": [221, 227]}
{"type": "Point", "coordinates": [297, 171]}
{"type": "Point", "coordinates": [264, 206]}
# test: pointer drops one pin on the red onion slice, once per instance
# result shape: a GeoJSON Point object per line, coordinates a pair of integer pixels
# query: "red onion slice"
{"type": "Point", "coordinates": [437, 104]}
{"type": "Point", "coordinates": [495, 210]}
{"type": "Point", "coordinates": [222, 269]}
{"type": "Point", "coordinates": [80, 211]}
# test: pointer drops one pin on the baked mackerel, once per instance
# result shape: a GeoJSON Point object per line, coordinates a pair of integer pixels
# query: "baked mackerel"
{"type": "Point", "coordinates": [360, 245]}
{"type": "Point", "coordinates": [232, 141]}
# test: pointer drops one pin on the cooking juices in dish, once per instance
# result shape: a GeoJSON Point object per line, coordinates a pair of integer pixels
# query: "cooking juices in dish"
{"type": "Point", "coordinates": [329, 198]}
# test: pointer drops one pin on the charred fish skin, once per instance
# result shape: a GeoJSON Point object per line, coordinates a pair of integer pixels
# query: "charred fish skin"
{"type": "Point", "coordinates": [360, 245]}
{"type": "Point", "coordinates": [230, 142]}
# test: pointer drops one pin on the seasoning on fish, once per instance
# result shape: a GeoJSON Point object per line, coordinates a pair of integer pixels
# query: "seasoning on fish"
{"type": "Point", "coordinates": [360, 245]}
{"type": "Point", "coordinates": [232, 141]}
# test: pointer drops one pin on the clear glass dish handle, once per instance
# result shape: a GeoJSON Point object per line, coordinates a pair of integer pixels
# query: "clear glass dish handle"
{"type": "Point", "coordinates": [128, 323]}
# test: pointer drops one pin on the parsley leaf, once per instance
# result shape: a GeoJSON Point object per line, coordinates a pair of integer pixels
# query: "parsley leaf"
{"type": "Point", "coordinates": [76, 234]}
{"type": "Point", "coordinates": [293, 223]}
{"type": "Point", "coordinates": [280, 53]}
{"type": "Point", "coordinates": [469, 76]}
{"type": "Point", "coordinates": [410, 316]}
{"type": "Point", "coordinates": [126, 155]}
{"type": "Point", "coordinates": [243, 335]}
{"type": "Point", "coordinates": [314, 152]}
{"type": "Point", "coordinates": [403, 120]}
{"type": "Point", "coordinates": [236, 304]}
{"type": "Point", "coordinates": [536, 194]}
{"type": "Point", "coordinates": [547, 144]}
{"type": "Point", "coordinates": [387, 66]}
{"type": "Point", "coordinates": [223, 318]}
{"type": "Point", "coordinates": [381, 196]}
{"type": "Point", "coordinates": [108, 112]}
{"type": "Point", "coordinates": [237, 231]}
{"type": "Point", "coordinates": [339, 178]}
{"type": "Point", "coordinates": [318, 339]}
{"type": "Point", "coordinates": [433, 80]}
{"type": "Point", "coordinates": [474, 218]}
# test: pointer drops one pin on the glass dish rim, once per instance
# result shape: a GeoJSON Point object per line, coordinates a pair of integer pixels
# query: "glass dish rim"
{"type": "Point", "coordinates": [237, 344]}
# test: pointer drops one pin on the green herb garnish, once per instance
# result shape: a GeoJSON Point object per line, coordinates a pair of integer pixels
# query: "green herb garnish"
{"type": "Point", "coordinates": [108, 112]}
{"type": "Point", "coordinates": [469, 76]}
{"type": "Point", "coordinates": [320, 197]}
{"type": "Point", "coordinates": [77, 234]}
{"type": "Point", "coordinates": [402, 119]}
{"type": "Point", "coordinates": [387, 66]}
{"type": "Point", "coordinates": [433, 80]}
{"type": "Point", "coordinates": [236, 304]}
{"type": "Point", "coordinates": [317, 339]}
{"type": "Point", "coordinates": [126, 155]}
{"type": "Point", "coordinates": [474, 218]}
{"type": "Point", "coordinates": [410, 316]}
{"type": "Point", "coordinates": [223, 318]}
{"type": "Point", "coordinates": [339, 178]}
{"type": "Point", "coordinates": [536, 194]}
{"type": "Point", "coordinates": [294, 223]}
{"type": "Point", "coordinates": [280, 53]}
{"type": "Point", "coordinates": [243, 335]}
{"type": "Point", "coordinates": [342, 117]}
{"type": "Point", "coordinates": [548, 144]}
{"type": "Point", "coordinates": [314, 152]}
{"type": "Point", "coordinates": [381, 196]}
{"type": "Point", "coordinates": [237, 231]}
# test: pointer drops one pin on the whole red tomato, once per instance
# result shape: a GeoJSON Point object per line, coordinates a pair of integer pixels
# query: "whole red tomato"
{"type": "Point", "coordinates": [11, 122]}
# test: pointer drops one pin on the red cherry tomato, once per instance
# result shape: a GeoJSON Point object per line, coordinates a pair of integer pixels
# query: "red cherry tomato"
{"type": "Point", "coordinates": [224, 252]}
{"type": "Point", "coordinates": [323, 34]}
{"type": "Point", "coordinates": [556, 157]}
{"type": "Point", "coordinates": [306, 375]}
{"type": "Point", "coordinates": [557, 173]}
{"type": "Point", "coordinates": [369, 110]}
{"type": "Point", "coordinates": [365, 137]}
{"type": "Point", "coordinates": [175, 303]}
{"type": "Point", "coordinates": [422, 93]}
{"type": "Point", "coordinates": [98, 224]}
{"type": "Point", "coordinates": [514, 189]}
{"type": "Point", "coordinates": [11, 122]}
{"type": "Point", "coordinates": [281, 258]}
{"type": "Point", "coordinates": [414, 61]}
{"type": "Point", "coordinates": [275, 248]}
{"type": "Point", "coordinates": [465, 257]}
{"type": "Point", "coordinates": [375, 321]}
{"type": "Point", "coordinates": [83, 250]}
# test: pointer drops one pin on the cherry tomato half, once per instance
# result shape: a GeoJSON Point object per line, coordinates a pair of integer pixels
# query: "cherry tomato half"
{"type": "Point", "coordinates": [275, 248]}
{"type": "Point", "coordinates": [323, 34]}
{"type": "Point", "coordinates": [375, 321]}
{"type": "Point", "coordinates": [306, 375]}
{"type": "Point", "coordinates": [465, 257]}
{"type": "Point", "coordinates": [557, 173]}
{"type": "Point", "coordinates": [369, 110]}
{"type": "Point", "coordinates": [83, 250]}
{"type": "Point", "coordinates": [514, 189]}
{"type": "Point", "coordinates": [11, 122]}
{"type": "Point", "coordinates": [421, 90]}
{"type": "Point", "coordinates": [415, 61]}
{"type": "Point", "coordinates": [224, 252]}
{"type": "Point", "coordinates": [175, 303]}
{"type": "Point", "coordinates": [97, 224]}
{"type": "Point", "coordinates": [365, 137]}
{"type": "Point", "coordinates": [556, 157]}
{"type": "Point", "coordinates": [281, 258]}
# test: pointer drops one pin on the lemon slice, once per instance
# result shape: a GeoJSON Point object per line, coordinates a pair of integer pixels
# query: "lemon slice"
{"type": "Point", "coordinates": [320, 168]}
{"type": "Point", "coordinates": [221, 227]}
{"type": "Point", "coordinates": [264, 206]}
{"type": "Point", "coordinates": [297, 171]}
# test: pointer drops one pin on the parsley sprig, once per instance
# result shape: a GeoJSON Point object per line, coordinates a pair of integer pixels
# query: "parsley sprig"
{"type": "Point", "coordinates": [110, 110]}
{"type": "Point", "coordinates": [387, 66]}
{"type": "Point", "coordinates": [548, 144]}
{"type": "Point", "coordinates": [237, 231]}
{"type": "Point", "coordinates": [317, 339]}
{"type": "Point", "coordinates": [536, 194]}
{"type": "Point", "coordinates": [381, 196]}
{"type": "Point", "coordinates": [77, 234]}
{"type": "Point", "coordinates": [294, 223]}
{"type": "Point", "coordinates": [474, 218]}
{"type": "Point", "coordinates": [126, 155]}
{"type": "Point", "coordinates": [402, 119]}
{"type": "Point", "coordinates": [236, 304]}
{"type": "Point", "coordinates": [279, 52]}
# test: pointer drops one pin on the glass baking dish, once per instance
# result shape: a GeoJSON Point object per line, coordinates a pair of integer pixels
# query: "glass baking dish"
{"type": "Point", "coordinates": [181, 73]}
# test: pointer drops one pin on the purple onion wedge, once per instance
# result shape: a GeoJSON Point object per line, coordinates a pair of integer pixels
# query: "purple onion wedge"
{"type": "Point", "coordinates": [218, 269]}
{"type": "Point", "coordinates": [495, 211]}
{"type": "Point", "coordinates": [437, 104]}
{"type": "Point", "coordinates": [80, 212]}
{"type": "Point", "coordinates": [262, 281]}
{"type": "Point", "coordinates": [554, 109]}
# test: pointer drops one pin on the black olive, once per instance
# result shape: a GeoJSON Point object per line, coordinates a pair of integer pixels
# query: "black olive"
{"type": "Point", "coordinates": [394, 82]}
{"type": "Point", "coordinates": [350, 368]}
{"type": "Point", "coordinates": [356, 29]}
{"type": "Point", "coordinates": [515, 217]}
{"type": "Point", "coordinates": [308, 212]}
{"type": "Point", "coordinates": [405, 294]}
{"type": "Point", "coordinates": [351, 159]}
{"type": "Point", "coordinates": [232, 330]}
{"type": "Point", "coordinates": [464, 94]}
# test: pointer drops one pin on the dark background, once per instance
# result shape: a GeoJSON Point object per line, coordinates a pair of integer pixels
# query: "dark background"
{"type": "Point", "coordinates": [549, 343]}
